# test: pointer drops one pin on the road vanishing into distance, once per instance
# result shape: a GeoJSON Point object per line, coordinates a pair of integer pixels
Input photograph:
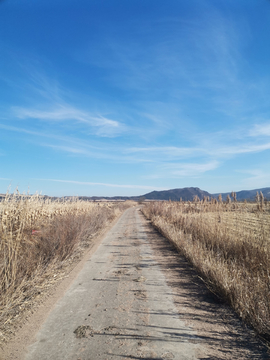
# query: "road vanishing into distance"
{"type": "Point", "coordinates": [137, 298]}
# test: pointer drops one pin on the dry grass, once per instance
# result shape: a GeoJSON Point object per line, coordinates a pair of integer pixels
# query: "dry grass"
{"type": "Point", "coordinates": [39, 239]}
{"type": "Point", "coordinates": [229, 245]}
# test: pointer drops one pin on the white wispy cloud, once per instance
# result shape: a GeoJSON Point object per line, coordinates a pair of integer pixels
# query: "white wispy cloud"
{"type": "Point", "coordinates": [49, 101]}
{"type": "Point", "coordinates": [172, 151]}
{"type": "Point", "coordinates": [256, 178]}
{"type": "Point", "coordinates": [183, 170]}
{"type": "Point", "coordinates": [76, 146]}
{"type": "Point", "coordinates": [209, 149]}
{"type": "Point", "coordinates": [22, 130]}
{"type": "Point", "coordinates": [260, 130]}
{"type": "Point", "coordinates": [68, 149]}
{"type": "Point", "coordinates": [104, 184]}
{"type": "Point", "coordinates": [206, 56]}
{"type": "Point", "coordinates": [243, 149]}
{"type": "Point", "coordinates": [63, 112]}
{"type": "Point", "coordinates": [39, 83]}
{"type": "Point", "coordinates": [191, 169]}
{"type": "Point", "coordinates": [79, 143]}
{"type": "Point", "coordinates": [196, 60]}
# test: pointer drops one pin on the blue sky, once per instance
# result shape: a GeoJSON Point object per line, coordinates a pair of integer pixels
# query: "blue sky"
{"type": "Point", "coordinates": [125, 97]}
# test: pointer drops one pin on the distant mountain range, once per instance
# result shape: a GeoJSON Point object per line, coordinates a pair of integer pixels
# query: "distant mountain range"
{"type": "Point", "coordinates": [186, 194]}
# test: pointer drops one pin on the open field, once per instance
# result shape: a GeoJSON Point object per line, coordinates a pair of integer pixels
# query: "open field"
{"type": "Point", "coordinates": [229, 245]}
{"type": "Point", "coordinates": [39, 240]}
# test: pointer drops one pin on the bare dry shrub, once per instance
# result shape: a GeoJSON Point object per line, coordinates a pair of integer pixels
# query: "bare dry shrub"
{"type": "Point", "coordinates": [229, 247]}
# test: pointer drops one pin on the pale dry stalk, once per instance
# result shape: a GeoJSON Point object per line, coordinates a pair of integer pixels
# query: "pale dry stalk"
{"type": "Point", "coordinates": [62, 229]}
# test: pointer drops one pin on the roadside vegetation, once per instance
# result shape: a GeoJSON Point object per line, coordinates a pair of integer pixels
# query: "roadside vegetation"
{"type": "Point", "coordinates": [40, 239]}
{"type": "Point", "coordinates": [228, 243]}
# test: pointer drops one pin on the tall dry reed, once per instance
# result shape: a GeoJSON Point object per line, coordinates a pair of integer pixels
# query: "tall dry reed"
{"type": "Point", "coordinates": [39, 238]}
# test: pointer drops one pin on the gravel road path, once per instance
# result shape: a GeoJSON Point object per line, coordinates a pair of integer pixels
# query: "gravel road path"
{"type": "Point", "coordinates": [136, 298]}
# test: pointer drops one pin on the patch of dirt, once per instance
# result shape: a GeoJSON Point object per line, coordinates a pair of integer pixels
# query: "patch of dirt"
{"type": "Point", "coordinates": [140, 279]}
{"type": "Point", "coordinates": [83, 331]}
{"type": "Point", "coordinates": [140, 294]}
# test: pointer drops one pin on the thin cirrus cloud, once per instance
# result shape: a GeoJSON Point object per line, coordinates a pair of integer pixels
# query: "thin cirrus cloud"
{"type": "Point", "coordinates": [77, 147]}
{"type": "Point", "coordinates": [169, 150]}
{"type": "Point", "coordinates": [175, 60]}
{"type": "Point", "coordinates": [68, 149]}
{"type": "Point", "coordinates": [258, 176]}
{"type": "Point", "coordinates": [191, 169]}
{"type": "Point", "coordinates": [105, 126]}
{"type": "Point", "coordinates": [260, 130]}
{"type": "Point", "coordinates": [210, 149]}
{"type": "Point", "coordinates": [183, 170]}
{"type": "Point", "coordinates": [244, 149]}
{"type": "Point", "coordinates": [113, 154]}
{"type": "Point", "coordinates": [50, 94]}
{"type": "Point", "coordinates": [68, 144]}
{"type": "Point", "coordinates": [104, 184]}
{"type": "Point", "coordinates": [161, 154]}
{"type": "Point", "coordinates": [165, 154]}
{"type": "Point", "coordinates": [78, 144]}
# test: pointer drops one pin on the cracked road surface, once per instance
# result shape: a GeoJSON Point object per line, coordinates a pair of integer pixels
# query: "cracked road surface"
{"type": "Point", "coordinates": [136, 298]}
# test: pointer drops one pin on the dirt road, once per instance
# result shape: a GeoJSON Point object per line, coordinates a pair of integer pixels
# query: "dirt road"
{"type": "Point", "coordinates": [136, 298]}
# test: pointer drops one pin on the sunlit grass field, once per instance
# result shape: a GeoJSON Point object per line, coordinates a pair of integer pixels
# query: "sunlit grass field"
{"type": "Point", "coordinates": [229, 245]}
